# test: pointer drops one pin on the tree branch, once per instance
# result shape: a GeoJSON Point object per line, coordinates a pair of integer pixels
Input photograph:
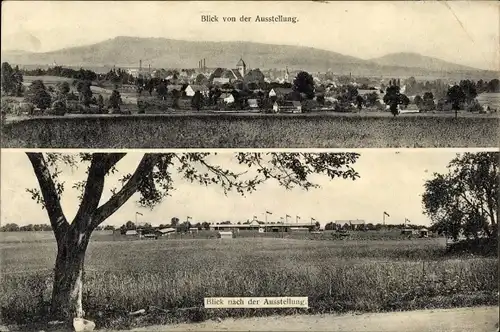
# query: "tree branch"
{"type": "Point", "coordinates": [99, 167]}
{"type": "Point", "coordinates": [50, 197]}
{"type": "Point", "coordinates": [145, 166]}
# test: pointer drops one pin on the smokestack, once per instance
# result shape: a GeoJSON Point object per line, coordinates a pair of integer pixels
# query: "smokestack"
{"type": "Point", "coordinates": [140, 65]}
{"type": "Point", "coordinates": [204, 64]}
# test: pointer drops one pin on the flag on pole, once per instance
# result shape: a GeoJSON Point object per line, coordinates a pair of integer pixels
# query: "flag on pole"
{"type": "Point", "coordinates": [254, 217]}
{"type": "Point", "coordinates": [313, 219]}
{"type": "Point", "coordinates": [288, 216]}
{"type": "Point", "coordinates": [407, 220]}
{"type": "Point", "coordinates": [189, 217]}
{"type": "Point", "coordinates": [298, 217]}
{"type": "Point", "coordinates": [387, 214]}
{"type": "Point", "coordinates": [268, 212]}
{"type": "Point", "coordinates": [139, 213]}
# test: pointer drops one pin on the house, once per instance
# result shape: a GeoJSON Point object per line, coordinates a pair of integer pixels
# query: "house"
{"type": "Point", "coordinates": [224, 75]}
{"type": "Point", "coordinates": [253, 104]}
{"type": "Point", "coordinates": [287, 107]}
{"type": "Point", "coordinates": [192, 88]}
{"type": "Point", "coordinates": [227, 98]}
{"type": "Point", "coordinates": [193, 229]}
{"type": "Point", "coordinates": [280, 92]}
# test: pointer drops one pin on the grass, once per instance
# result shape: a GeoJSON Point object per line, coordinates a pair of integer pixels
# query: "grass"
{"type": "Point", "coordinates": [170, 277]}
{"type": "Point", "coordinates": [253, 131]}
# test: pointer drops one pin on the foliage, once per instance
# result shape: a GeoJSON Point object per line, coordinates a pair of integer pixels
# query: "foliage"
{"type": "Point", "coordinates": [304, 83]}
{"type": "Point", "coordinates": [465, 200]}
{"type": "Point", "coordinates": [12, 80]}
{"type": "Point", "coordinates": [115, 100]}
{"type": "Point", "coordinates": [456, 96]}
{"type": "Point", "coordinates": [84, 92]}
{"type": "Point", "coordinates": [37, 95]}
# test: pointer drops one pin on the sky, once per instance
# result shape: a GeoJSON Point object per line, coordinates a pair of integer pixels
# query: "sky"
{"type": "Point", "coordinates": [390, 180]}
{"type": "Point", "coordinates": [463, 32]}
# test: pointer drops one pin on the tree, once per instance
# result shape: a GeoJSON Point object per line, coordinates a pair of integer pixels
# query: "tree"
{"type": "Point", "coordinates": [359, 102]}
{"type": "Point", "coordinates": [392, 98]}
{"type": "Point", "coordinates": [162, 90]}
{"type": "Point", "coordinates": [469, 89]}
{"type": "Point", "coordinates": [304, 83]}
{"type": "Point", "coordinates": [174, 222]}
{"type": "Point", "coordinates": [12, 80]}
{"type": "Point", "coordinates": [465, 200]}
{"type": "Point", "coordinates": [404, 100]}
{"type": "Point", "coordinates": [455, 96]}
{"type": "Point", "coordinates": [371, 99]}
{"type": "Point", "coordinates": [428, 101]}
{"type": "Point", "coordinates": [152, 181]}
{"type": "Point", "coordinates": [418, 101]}
{"type": "Point", "coordinates": [84, 92]}
{"type": "Point", "coordinates": [115, 100]}
{"type": "Point", "coordinates": [63, 89]}
{"type": "Point", "coordinates": [197, 101]}
{"type": "Point", "coordinates": [37, 95]}
{"type": "Point", "coordinates": [100, 103]}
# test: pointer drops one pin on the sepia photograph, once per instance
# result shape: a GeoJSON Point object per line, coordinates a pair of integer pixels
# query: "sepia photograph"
{"type": "Point", "coordinates": [366, 240]}
{"type": "Point", "coordinates": [208, 74]}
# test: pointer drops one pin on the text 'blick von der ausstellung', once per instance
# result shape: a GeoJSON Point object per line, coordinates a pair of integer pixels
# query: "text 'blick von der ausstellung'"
{"type": "Point", "coordinates": [249, 19]}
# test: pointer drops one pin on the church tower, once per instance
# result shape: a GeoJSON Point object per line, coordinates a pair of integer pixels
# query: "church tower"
{"type": "Point", "coordinates": [241, 67]}
{"type": "Point", "coordinates": [287, 74]}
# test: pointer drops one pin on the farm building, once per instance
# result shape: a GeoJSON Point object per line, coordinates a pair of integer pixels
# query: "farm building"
{"type": "Point", "coordinates": [280, 92]}
{"type": "Point", "coordinates": [191, 90]}
{"type": "Point", "coordinates": [424, 232]}
{"type": "Point", "coordinates": [261, 227]}
{"type": "Point", "coordinates": [131, 232]}
{"type": "Point", "coordinates": [225, 235]}
{"type": "Point", "coordinates": [165, 231]}
{"type": "Point", "coordinates": [407, 231]}
{"type": "Point", "coordinates": [252, 103]}
{"type": "Point", "coordinates": [254, 225]}
{"type": "Point", "coordinates": [227, 98]}
{"type": "Point", "coordinates": [287, 107]}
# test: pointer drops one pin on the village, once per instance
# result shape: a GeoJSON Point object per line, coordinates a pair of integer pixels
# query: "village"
{"type": "Point", "coordinates": [144, 90]}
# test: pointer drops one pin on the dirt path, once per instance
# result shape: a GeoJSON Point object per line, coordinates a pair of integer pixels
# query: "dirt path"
{"type": "Point", "coordinates": [479, 319]}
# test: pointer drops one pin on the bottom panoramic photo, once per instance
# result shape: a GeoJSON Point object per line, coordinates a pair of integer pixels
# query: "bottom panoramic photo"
{"type": "Point", "coordinates": [368, 240]}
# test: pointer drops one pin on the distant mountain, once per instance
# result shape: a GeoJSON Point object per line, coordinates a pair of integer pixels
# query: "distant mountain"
{"type": "Point", "coordinates": [414, 60]}
{"type": "Point", "coordinates": [169, 53]}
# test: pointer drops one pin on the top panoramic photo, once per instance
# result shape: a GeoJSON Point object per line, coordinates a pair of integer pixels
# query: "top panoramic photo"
{"type": "Point", "coordinates": [210, 74]}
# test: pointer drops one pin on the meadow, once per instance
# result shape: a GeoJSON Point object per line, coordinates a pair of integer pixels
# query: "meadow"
{"type": "Point", "coordinates": [170, 277]}
{"type": "Point", "coordinates": [253, 131]}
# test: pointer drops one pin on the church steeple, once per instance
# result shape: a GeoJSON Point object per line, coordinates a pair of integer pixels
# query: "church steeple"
{"type": "Point", "coordinates": [241, 67]}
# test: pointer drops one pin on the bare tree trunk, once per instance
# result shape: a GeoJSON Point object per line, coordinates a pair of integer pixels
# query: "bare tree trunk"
{"type": "Point", "coordinates": [68, 276]}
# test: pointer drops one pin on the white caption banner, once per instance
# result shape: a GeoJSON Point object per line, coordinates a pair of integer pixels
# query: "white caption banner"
{"type": "Point", "coordinates": [256, 302]}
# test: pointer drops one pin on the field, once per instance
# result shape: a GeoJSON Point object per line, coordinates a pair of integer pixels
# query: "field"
{"type": "Point", "coordinates": [169, 277]}
{"type": "Point", "coordinates": [47, 80]}
{"type": "Point", "coordinates": [253, 131]}
{"type": "Point", "coordinates": [490, 99]}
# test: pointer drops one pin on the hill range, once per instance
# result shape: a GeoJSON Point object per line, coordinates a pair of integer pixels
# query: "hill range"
{"type": "Point", "coordinates": [126, 52]}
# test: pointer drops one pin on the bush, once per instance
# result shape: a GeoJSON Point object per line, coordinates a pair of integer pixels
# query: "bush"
{"type": "Point", "coordinates": [58, 108]}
